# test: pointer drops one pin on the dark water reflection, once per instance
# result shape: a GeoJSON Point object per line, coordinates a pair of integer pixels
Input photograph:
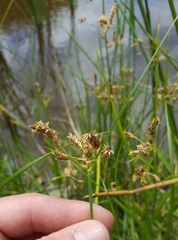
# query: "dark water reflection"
{"type": "Point", "coordinates": [33, 45]}
{"type": "Point", "coordinates": [26, 43]}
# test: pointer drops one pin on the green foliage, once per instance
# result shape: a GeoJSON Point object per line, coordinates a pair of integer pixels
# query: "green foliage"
{"type": "Point", "coordinates": [117, 102]}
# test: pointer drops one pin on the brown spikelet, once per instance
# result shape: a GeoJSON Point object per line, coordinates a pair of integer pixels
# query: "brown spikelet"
{"type": "Point", "coordinates": [45, 129]}
{"type": "Point", "coordinates": [92, 139]}
{"type": "Point", "coordinates": [69, 172]}
{"type": "Point", "coordinates": [107, 152]}
{"type": "Point", "coordinates": [81, 20]}
{"type": "Point", "coordinates": [88, 150]}
{"type": "Point", "coordinates": [95, 79]}
{"type": "Point", "coordinates": [139, 172]}
{"type": "Point", "coordinates": [129, 134]}
{"type": "Point", "coordinates": [151, 129]}
{"type": "Point", "coordinates": [103, 22]}
{"type": "Point", "coordinates": [75, 140]}
{"type": "Point", "coordinates": [60, 156]}
{"type": "Point", "coordinates": [112, 13]}
{"type": "Point", "coordinates": [114, 37]}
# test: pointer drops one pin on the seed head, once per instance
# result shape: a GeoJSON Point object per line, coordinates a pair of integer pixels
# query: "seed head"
{"type": "Point", "coordinates": [112, 13]}
{"type": "Point", "coordinates": [60, 156]}
{"type": "Point", "coordinates": [107, 152]}
{"type": "Point", "coordinates": [156, 177]}
{"type": "Point", "coordinates": [69, 172]}
{"type": "Point", "coordinates": [152, 126]}
{"type": "Point", "coordinates": [129, 134]}
{"type": "Point", "coordinates": [139, 172]}
{"type": "Point", "coordinates": [151, 129]}
{"type": "Point", "coordinates": [45, 129]}
{"type": "Point", "coordinates": [92, 139]}
{"type": "Point", "coordinates": [81, 20]}
{"type": "Point", "coordinates": [75, 140]}
{"type": "Point", "coordinates": [103, 22]}
{"type": "Point", "coordinates": [88, 150]}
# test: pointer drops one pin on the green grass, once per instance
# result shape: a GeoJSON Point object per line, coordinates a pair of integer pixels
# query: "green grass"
{"type": "Point", "coordinates": [119, 100]}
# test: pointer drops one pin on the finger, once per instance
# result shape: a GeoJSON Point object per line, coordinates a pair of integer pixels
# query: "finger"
{"type": "Point", "coordinates": [90, 230]}
{"type": "Point", "coordinates": [25, 214]}
{"type": "Point", "coordinates": [3, 237]}
{"type": "Point", "coordinates": [30, 237]}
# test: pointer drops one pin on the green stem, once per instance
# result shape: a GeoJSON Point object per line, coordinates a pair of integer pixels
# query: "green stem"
{"type": "Point", "coordinates": [90, 194]}
{"type": "Point", "coordinates": [98, 171]}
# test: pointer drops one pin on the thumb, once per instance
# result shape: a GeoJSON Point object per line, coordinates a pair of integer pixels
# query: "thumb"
{"type": "Point", "coordinates": [86, 230]}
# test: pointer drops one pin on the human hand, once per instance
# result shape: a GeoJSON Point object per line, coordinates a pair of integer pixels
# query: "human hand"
{"type": "Point", "coordinates": [34, 216]}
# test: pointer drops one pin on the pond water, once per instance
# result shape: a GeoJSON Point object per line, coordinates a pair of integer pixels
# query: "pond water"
{"type": "Point", "coordinates": [33, 45]}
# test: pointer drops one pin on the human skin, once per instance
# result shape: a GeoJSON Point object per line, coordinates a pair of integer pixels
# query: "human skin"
{"type": "Point", "coordinates": [35, 216]}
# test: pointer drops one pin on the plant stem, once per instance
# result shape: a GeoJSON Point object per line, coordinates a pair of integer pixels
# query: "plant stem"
{"type": "Point", "coordinates": [90, 194]}
{"type": "Point", "coordinates": [98, 172]}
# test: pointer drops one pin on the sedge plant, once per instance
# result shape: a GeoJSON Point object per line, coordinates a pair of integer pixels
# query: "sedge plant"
{"type": "Point", "coordinates": [122, 148]}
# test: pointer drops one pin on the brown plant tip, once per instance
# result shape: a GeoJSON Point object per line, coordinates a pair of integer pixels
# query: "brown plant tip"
{"type": "Point", "coordinates": [92, 139]}
{"type": "Point", "coordinates": [129, 134]}
{"type": "Point", "coordinates": [89, 144]}
{"type": "Point", "coordinates": [60, 156]}
{"type": "Point", "coordinates": [88, 150]}
{"type": "Point", "coordinates": [147, 147]}
{"type": "Point", "coordinates": [112, 13]}
{"type": "Point", "coordinates": [81, 20]}
{"type": "Point", "coordinates": [139, 172]}
{"type": "Point", "coordinates": [142, 149]}
{"type": "Point", "coordinates": [156, 178]}
{"type": "Point", "coordinates": [45, 129]}
{"type": "Point", "coordinates": [152, 126]}
{"type": "Point", "coordinates": [70, 172]}
{"type": "Point", "coordinates": [73, 138]}
{"type": "Point", "coordinates": [151, 129]}
{"type": "Point", "coordinates": [106, 151]}
{"type": "Point", "coordinates": [169, 93]}
{"type": "Point", "coordinates": [103, 22]}
{"type": "Point", "coordinates": [95, 79]}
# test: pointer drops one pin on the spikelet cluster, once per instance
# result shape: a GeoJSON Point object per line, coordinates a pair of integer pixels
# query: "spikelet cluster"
{"type": "Point", "coordinates": [169, 94]}
{"type": "Point", "coordinates": [89, 144]}
{"type": "Point", "coordinates": [116, 90]}
{"type": "Point", "coordinates": [69, 171]}
{"type": "Point", "coordinates": [145, 147]}
{"type": "Point", "coordinates": [112, 13]}
{"type": "Point", "coordinates": [60, 155]}
{"type": "Point", "coordinates": [100, 92]}
{"type": "Point", "coordinates": [106, 23]}
{"type": "Point", "coordinates": [81, 20]}
{"type": "Point", "coordinates": [140, 174]}
{"type": "Point", "coordinates": [44, 128]}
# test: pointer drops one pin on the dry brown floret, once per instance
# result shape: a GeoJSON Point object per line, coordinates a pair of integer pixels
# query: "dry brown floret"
{"type": "Point", "coordinates": [81, 20]}
{"type": "Point", "coordinates": [45, 129]}
{"type": "Point", "coordinates": [75, 140]}
{"type": "Point", "coordinates": [106, 151]}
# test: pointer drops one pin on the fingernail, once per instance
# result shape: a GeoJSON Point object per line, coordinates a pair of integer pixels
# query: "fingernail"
{"type": "Point", "coordinates": [91, 230]}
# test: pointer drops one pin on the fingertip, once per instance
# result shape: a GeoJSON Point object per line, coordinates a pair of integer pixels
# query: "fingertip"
{"type": "Point", "coordinates": [91, 230]}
